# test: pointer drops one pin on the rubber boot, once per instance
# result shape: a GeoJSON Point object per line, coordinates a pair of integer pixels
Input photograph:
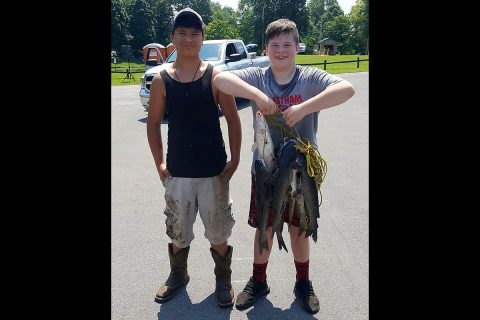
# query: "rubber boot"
{"type": "Point", "coordinates": [178, 274]}
{"type": "Point", "coordinates": [223, 292]}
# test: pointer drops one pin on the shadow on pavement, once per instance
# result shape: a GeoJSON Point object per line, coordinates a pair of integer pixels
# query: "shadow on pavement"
{"type": "Point", "coordinates": [181, 307]}
{"type": "Point", "coordinates": [263, 309]}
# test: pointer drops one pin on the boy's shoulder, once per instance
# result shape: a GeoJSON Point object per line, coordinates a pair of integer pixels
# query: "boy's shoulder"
{"type": "Point", "coordinates": [255, 69]}
{"type": "Point", "coordinates": [308, 69]}
{"type": "Point", "coordinates": [251, 72]}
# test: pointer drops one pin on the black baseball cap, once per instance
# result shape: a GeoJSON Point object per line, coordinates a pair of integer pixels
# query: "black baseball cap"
{"type": "Point", "coordinates": [188, 18]}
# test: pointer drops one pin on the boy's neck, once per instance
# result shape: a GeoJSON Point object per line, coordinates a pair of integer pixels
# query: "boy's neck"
{"type": "Point", "coordinates": [284, 76]}
{"type": "Point", "coordinates": [187, 62]}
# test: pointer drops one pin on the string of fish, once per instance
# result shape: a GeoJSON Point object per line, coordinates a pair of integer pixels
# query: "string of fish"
{"type": "Point", "coordinates": [316, 165]}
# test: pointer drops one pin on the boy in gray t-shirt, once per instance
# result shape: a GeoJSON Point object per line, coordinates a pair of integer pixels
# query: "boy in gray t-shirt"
{"type": "Point", "coordinates": [307, 82]}
{"type": "Point", "coordinates": [300, 93]}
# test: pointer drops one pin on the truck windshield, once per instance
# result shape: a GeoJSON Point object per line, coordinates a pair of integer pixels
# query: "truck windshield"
{"type": "Point", "coordinates": [208, 52]}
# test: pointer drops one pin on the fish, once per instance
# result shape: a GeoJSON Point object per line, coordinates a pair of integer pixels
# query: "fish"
{"type": "Point", "coordinates": [286, 159]}
{"type": "Point", "coordinates": [264, 142]}
{"type": "Point", "coordinates": [294, 188]}
{"type": "Point", "coordinates": [263, 201]}
{"type": "Point", "coordinates": [299, 200]}
{"type": "Point", "coordinates": [263, 166]}
{"type": "Point", "coordinates": [301, 214]}
{"type": "Point", "coordinates": [310, 195]}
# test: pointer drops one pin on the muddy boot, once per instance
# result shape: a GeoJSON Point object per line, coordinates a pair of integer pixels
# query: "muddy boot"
{"type": "Point", "coordinates": [224, 292]}
{"type": "Point", "coordinates": [178, 274]}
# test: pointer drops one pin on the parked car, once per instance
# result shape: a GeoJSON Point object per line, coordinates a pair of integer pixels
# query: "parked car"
{"type": "Point", "coordinates": [302, 48]}
{"type": "Point", "coordinates": [227, 54]}
{"type": "Point", "coordinates": [252, 47]}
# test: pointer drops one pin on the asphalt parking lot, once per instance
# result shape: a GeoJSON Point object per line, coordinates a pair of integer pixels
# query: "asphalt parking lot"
{"type": "Point", "coordinates": [339, 263]}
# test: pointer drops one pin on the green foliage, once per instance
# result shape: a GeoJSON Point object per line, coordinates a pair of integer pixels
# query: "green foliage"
{"type": "Point", "coordinates": [246, 19]}
{"type": "Point", "coordinates": [266, 11]}
{"type": "Point", "coordinates": [358, 40]}
{"type": "Point", "coordinates": [223, 25]}
{"type": "Point", "coordinates": [320, 12]}
{"type": "Point", "coordinates": [316, 10]}
{"type": "Point", "coordinates": [119, 23]}
{"type": "Point", "coordinates": [142, 25]}
{"type": "Point", "coordinates": [338, 29]}
{"type": "Point", "coordinates": [226, 13]}
{"type": "Point", "coordinates": [163, 20]}
{"type": "Point", "coordinates": [203, 7]}
{"type": "Point", "coordinates": [221, 29]}
{"type": "Point", "coordinates": [366, 16]}
{"type": "Point", "coordinates": [139, 22]}
{"type": "Point", "coordinates": [310, 42]}
{"type": "Point", "coordinates": [295, 10]}
{"type": "Point", "coordinates": [332, 10]}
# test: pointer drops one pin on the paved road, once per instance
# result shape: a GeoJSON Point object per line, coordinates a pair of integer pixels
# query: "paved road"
{"type": "Point", "coordinates": [339, 260]}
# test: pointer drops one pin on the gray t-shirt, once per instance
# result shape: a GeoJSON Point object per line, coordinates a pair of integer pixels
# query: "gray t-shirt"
{"type": "Point", "coordinates": [306, 83]}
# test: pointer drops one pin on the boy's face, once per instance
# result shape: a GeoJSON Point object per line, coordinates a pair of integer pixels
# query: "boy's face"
{"type": "Point", "coordinates": [282, 50]}
{"type": "Point", "coordinates": [188, 41]}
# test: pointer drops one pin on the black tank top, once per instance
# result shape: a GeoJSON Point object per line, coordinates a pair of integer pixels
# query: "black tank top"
{"type": "Point", "coordinates": [195, 144]}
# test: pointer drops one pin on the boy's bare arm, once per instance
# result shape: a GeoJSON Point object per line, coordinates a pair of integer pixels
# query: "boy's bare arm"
{"type": "Point", "coordinates": [332, 96]}
{"type": "Point", "coordinates": [231, 84]}
{"type": "Point", "coordinates": [156, 111]}
{"type": "Point", "coordinates": [230, 112]}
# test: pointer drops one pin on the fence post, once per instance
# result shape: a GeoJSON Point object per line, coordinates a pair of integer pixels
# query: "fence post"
{"type": "Point", "coordinates": [358, 62]}
{"type": "Point", "coordinates": [324, 64]}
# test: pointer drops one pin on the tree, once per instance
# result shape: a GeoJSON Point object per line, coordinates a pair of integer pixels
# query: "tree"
{"type": "Point", "coordinates": [120, 33]}
{"type": "Point", "coordinates": [266, 11]}
{"type": "Point", "coordinates": [224, 13]}
{"type": "Point", "coordinates": [221, 29]}
{"type": "Point", "coordinates": [203, 7]}
{"type": "Point", "coordinates": [332, 10]}
{"type": "Point", "coordinates": [338, 29]}
{"type": "Point", "coordinates": [295, 10]}
{"type": "Point", "coordinates": [163, 13]}
{"type": "Point", "coordinates": [366, 21]}
{"type": "Point", "coordinates": [246, 20]}
{"type": "Point", "coordinates": [142, 25]}
{"type": "Point", "coordinates": [321, 11]}
{"type": "Point", "coordinates": [316, 10]}
{"type": "Point", "coordinates": [311, 42]}
{"type": "Point", "coordinates": [359, 28]}
{"type": "Point", "coordinates": [223, 24]}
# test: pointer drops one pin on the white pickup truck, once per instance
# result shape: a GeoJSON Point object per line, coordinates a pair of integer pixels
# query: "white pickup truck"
{"type": "Point", "coordinates": [223, 54]}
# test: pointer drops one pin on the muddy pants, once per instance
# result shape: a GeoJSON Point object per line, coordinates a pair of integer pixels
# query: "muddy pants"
{"type": "Point", "coordinates": [210, 197]}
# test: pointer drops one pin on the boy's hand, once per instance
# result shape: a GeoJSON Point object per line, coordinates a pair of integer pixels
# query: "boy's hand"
{"type": "Point", "coordinates": [293, 114]}
{"type": "Point", "coordinates": [266, 105]}
{"type": "Point", "coordinates": [163, 172]}
{"type": "Point", "coordinates": [229, 169]}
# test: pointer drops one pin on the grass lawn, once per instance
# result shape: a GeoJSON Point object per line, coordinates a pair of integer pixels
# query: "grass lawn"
{"type": "Point", "coordinates": [336, 67]}
{"type": "Point", "coordinates": [135, 66]}
{"type": "Point", "coordinates": [118, 78]}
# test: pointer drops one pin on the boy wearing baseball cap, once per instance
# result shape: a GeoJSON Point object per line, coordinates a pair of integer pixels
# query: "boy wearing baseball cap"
{"type": "Point", "coordinates": [195, 172]}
